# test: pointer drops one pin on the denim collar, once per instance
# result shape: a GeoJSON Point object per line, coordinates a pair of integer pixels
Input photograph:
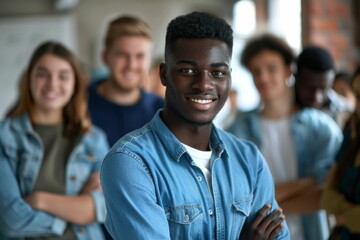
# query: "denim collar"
{"type": "Point", "coordinates": [22, 123]}
{"type": "Point", "coordinates": [174, 147]}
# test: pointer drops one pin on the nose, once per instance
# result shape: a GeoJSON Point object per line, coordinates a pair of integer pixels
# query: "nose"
{"type": "Point", "coordinates": [203, 81]}
{"type": "Point", "coordinates": [262, 76]}
{"type": "Point", "coordinates": [131, 62]}
{"type": "Point", "coordinates": [52, 81]}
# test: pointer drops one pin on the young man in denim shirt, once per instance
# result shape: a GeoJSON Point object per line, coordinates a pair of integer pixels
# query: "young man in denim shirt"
{"type": "Point", "coordinates": [179, 177]}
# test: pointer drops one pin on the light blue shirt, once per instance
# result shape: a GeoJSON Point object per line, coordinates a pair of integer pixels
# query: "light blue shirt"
{"type": "Point", "coordinates": [317, 139]}
{"type": "Point", "coordinates": [154, 190]}
{"type": "Point", "coordinates": [21, 153]}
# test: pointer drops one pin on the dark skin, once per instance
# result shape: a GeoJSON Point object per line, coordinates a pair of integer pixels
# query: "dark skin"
{"type": "Point", "coordinates": [311, 87]}
{"type": "Point", "coordinates": [198, 72]}
{"type": "Point", "coordinates": [197, 79]}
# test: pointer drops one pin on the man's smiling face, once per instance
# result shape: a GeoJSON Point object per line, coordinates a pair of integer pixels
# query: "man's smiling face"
{"type": "Point", "coordinates": [198, 78]}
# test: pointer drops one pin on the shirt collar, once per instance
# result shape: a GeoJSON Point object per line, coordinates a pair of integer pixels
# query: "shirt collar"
{"type": "Point", "coordinates": [174, 147]}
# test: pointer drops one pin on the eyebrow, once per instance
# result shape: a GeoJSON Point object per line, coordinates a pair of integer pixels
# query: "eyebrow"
{"type": "Point", "coordinates": [42, 68]}
{"type": "Point", "coordinates": [220, 64]}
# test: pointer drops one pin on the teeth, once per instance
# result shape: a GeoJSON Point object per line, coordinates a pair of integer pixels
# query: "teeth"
{"type": "Point", "coordinates": [202, 101]}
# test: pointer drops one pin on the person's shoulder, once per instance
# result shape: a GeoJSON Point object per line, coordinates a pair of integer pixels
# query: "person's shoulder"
{"type": "Point", "coordinates": [18, 122]}
{"type": "Point", "coordinates": [96, 132]}
{"type": "Point", "coordinates": [236, 143]}
{"type": "Point", "coordinates": [14, 129]}
{"type": "Point", "coordinates": [136, 139]}
{"type": "Point", "coordinates": [312, 115]}
{"type": "Point", "coordinates": [317, 121]}
{"type": "Point", "coordinates": [95, 138]}
{"type": "Point", "coordinates": [244, 116]}
{"type": "Point", "coordinates": [151, 98]}
{"type": "Point", "coordinates": [244, 122]}
{"type": "Point", "coordinates": [93, 85]}
{"type": "Point", "coordinates": [92, 89]}
{"type": "Point", "coordinates": [5, 128]}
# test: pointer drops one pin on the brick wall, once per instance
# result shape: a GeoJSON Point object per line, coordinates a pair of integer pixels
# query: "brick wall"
{"type": "Point", "coordinates": [331, 24]}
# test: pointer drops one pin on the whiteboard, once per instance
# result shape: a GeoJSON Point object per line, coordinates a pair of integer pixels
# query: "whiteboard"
{"type": "Point", "coordinates": [19, 37]}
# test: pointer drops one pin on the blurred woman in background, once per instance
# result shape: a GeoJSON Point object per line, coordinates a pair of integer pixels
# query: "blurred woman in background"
{"type": "Point", "coordinates": [50, 154]}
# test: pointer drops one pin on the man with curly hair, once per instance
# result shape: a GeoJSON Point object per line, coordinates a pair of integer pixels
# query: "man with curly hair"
{"type": "Point", "coordinates": [180, 177]}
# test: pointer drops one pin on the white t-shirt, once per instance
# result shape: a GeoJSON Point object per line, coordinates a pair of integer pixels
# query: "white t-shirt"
{"type": "Point", "coordinates": [202, 160]}
{"type": "Point", "coordinates": [278, 149]}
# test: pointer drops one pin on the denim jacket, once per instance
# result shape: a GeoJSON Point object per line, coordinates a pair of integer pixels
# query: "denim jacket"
{"type": "Point", "coordinates": [21, 153]}
{"type": "Point", "coordinates": [317, 139]}
{"type": "Point", "coordinates": [154, 190]}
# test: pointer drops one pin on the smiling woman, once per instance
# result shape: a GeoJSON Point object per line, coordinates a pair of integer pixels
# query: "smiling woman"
{"type": "Point", "coordinates": [50, 154]}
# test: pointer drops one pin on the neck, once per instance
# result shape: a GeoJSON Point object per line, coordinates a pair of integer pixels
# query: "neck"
{"type": "Point", "coordinates": [191, 134]}
{"type": "Point", "coordinates": [278, 108]}
{"type": "Point", "coordinates": [120, 96]}
{"type": "Point", "coordinates": [46, 117]}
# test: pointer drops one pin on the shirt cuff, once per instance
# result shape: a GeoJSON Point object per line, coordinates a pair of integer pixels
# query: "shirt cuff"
{"type": "Point", "coordinates": [100, 208]}
{"type": "Point", "coordinates": [58, 226]}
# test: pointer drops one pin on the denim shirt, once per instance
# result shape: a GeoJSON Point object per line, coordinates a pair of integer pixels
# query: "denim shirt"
{"type": "Point", "coordinates": [21, 153]}
{"type": "Point", "coordinates": [317, 139]}
{"type": "Point", "coordinates": [154, 190]}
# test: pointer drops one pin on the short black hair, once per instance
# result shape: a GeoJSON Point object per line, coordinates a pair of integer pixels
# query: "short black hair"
{"type": "Point", "coordinates": [199, 25]}
{"type": "Point", "coordinates": [266, 41]}
{"type": "Point", "coordinates": [315, 58]}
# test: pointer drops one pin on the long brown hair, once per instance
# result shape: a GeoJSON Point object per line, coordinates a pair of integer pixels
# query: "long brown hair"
{"type": "Point", "coordinates": [75, 113]}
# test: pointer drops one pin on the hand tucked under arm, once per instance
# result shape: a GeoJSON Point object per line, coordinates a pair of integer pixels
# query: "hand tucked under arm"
{"type": "Point", "coordinates": [75, 209]}
{"type": "Point", "coordinates": [93, 183]}
{"type": "Point", "coordinates": [306, 202]}
{"type": "Point", "coordinates": [284, 191]}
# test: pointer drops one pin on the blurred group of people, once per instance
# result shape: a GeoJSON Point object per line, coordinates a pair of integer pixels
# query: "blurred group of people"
{"type": "Point", "coordinates": [307, 112]}
{"type": "Point", "coordinates": [54, 139]}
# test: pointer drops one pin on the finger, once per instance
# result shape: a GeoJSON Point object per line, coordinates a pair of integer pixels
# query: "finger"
{"type": "Point", "coordinates": [275, 214]}
{"type": "Point", "coordinates": [260, 215]}
{"type": "Point", "coordinates": [275, 223]}
{"type": "Point", "coordinates": [276, 231]}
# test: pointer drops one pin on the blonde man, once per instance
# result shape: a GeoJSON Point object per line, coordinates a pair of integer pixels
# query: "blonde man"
{"type": "Point", "coordinates": [118, 104]}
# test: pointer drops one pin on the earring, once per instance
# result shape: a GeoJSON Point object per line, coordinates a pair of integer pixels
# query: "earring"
{"type": "Point", "coordinates": [290, 81]}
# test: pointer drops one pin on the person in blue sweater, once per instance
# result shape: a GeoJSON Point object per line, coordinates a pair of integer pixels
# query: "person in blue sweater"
{"type": "Point", "coordinates": [119, 104]}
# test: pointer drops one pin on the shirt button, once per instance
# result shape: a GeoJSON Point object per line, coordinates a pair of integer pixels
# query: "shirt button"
{"type": "Point", "coordinates": [73, 178]}
{"type": "Point", "coordinates": [210, 212]}
{"type": "Point", "coordinates": [199, 178]}
{"type": "Point", "coordinates": [193, 163]}
{"type": "Point", "coordinates": [82, 230]}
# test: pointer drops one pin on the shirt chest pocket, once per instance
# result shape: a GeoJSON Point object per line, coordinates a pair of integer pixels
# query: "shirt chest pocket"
{"type": "Point", "coordinates": [185, 220]}
{"type": "Point", "coordinates": [241, 209]}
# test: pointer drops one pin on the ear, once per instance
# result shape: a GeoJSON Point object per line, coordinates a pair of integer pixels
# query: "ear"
{"type": "Point", "coordinates": [162, 71]}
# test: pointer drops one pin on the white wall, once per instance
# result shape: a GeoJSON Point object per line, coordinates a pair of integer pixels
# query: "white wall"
{"type": "Point", "coordinates": [19, 36]}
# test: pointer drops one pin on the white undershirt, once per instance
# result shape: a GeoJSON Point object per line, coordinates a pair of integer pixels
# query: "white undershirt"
{"type": "Point", "coordinates": [202, 160]}
{"type": "Point", "coordinates": [278, 149]}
